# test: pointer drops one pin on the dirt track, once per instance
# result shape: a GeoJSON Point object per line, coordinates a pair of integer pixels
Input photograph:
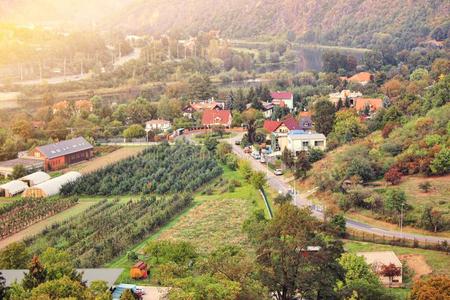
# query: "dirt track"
{"type": "Point", "coordinates": [418, 264]}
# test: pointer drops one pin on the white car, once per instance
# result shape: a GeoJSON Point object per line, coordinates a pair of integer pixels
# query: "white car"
{"type": "Point", "coordinates": [263, 160]}
{"type": "Point", "coordinates": [278, 172]}
{"type": "Point", "coordinates": [256, 155]}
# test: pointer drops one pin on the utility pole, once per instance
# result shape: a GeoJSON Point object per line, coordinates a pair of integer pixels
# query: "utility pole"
{"type": "Point", "coordinates": [401, 219]}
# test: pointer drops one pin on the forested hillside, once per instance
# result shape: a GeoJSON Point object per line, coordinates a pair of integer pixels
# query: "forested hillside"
{"type": "Point", "coordinates": [49, 11]}
{"type": "Point", "coordinates": [343, 22]}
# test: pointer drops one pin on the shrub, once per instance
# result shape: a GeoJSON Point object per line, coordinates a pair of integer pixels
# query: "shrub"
{"type": "Point", "coordinates": [393, 176]}
{"type": "Point", "coordinates": [425, 186]}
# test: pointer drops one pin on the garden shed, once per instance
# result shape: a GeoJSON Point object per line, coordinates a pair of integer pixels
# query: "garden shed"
{"type": "Point", "coordinates": [12, 188]}
{"type": "Point", "coordinates": [35, 178]}
{"type": "Point", "coordinates": [51, 187]}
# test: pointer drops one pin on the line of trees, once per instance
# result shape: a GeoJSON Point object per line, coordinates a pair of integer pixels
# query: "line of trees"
{"type": "Point", "coordinates": [159, 169]}
{"type": "Point", "coordinates": [108, 229]}
{"type": "Point", "coordinates": [25, 212]}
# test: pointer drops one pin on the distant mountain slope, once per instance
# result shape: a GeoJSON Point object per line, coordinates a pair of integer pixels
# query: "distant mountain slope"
{"type": "Point", "coordinates": [345, 22]}
{"type": "Point", "coordinates": [50, 11]}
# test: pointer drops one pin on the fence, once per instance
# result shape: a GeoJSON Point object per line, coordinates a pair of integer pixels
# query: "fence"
{"type": "Point", "coordinates": [390, 240]}
{"type": "Point", "coordinates": [266, 202]}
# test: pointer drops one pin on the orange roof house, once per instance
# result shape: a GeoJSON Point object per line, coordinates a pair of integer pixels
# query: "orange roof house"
{"type": "Point", "coordinates": [361, 78]}
{"type": "Point", "coordinates": [373, 104]}
{"type": "Point", "coordinates": [213, 118]}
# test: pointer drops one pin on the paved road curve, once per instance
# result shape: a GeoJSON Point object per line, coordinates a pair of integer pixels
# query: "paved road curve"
{"type": "Point", "coordinates": [280, 184]}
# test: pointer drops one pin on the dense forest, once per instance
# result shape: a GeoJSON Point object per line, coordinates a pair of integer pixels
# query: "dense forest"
{"type": "Point", "coordinates": [159, 169]}
{"type": "Point", "coordinates": [343, 22]}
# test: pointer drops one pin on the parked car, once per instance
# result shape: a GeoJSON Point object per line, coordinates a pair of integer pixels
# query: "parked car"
{"type": "Point", "coordinates": [256, 155]}
{"type": "Point", "coordinates": [237, 143]}
{"type": "Point", "coordinates": [247, 150]}
{"type": "Point", "coordinates": [278, 172]}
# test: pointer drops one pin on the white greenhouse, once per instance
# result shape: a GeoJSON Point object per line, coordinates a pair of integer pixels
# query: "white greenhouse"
{"type": "Point", "coordinates": [12, 188]}
{"type": "Point", "coordinates": [35, 178]}
{"type": "Point", "coordinates": [51, 187]}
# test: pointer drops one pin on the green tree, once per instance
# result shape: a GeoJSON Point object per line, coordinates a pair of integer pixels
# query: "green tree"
{"type": "Point", "coordinates": [245, 169]}
{"type": "Point", "coordinates": [286, 265]}
{"type": "Point", "coordinates": [348, 126]}
{"type": "Point", "coordinates": [18, 171]}
{"type": "Point", "coordinates": [323, 116]}
{"type": "Point", "coordinates": [134, 131]}
{"type": "Point", "coordinates": [22, 128]}
{"type": "Point", "coordinates": [432, 219]}
{"type": "Point", "coordinates": [169, 109]}
{"type": "Point", "coordinates": [258, 180]}
{"type": "Point", "coordinates": [200, 87]}
{"type": "Point", "coordinates": [204, 287]}
{"type": "Point", "coordinates": [441, 163]}
{"type": "Point", "coordinates": [236, 265]}
{"type": "Point", "coordinates": [210, 143]}
{"type": "Point", "coordinates": [127, 295]}
{"type": "Point", "coordinates": [395, 200]}
{"type": "Point", "coordinates": [339, 223]}
{"type": "Point", "coordinates": [223, 149]}
{"type": "Point", "coordinates": [60, 289]}
{"type": "Point", "coordinates": [140, 110]}
{"type": "Point", "coordinates": [58, 264]}
{"type": "Point", "coordinates": [360, 280]}
{"type": "Point", "coordinates": [14, 256]}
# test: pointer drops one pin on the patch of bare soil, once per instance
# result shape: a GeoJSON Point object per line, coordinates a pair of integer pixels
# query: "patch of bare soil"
{"type": "Point", "coordinates": [417, 263]}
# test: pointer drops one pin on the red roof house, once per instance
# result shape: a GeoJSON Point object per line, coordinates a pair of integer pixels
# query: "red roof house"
{"type": "Point", "coordinates": [59, 155]}
{"type": "Point", "coordinates": [291, 123]}
{"type": "Point", "coordinates": [270, 126]}
{"type": "Point", "coordinates": [213, 118]}
{"type": "Point", "coordinates": [361, 78]}
{"type": "Point", "coordinates": [373, 104]}
{"type": "Point", "coordinates": [283, 99]}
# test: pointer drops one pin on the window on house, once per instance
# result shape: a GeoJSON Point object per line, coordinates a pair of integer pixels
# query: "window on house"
{"type": "Point", "coordinates": [318, 143]}
{"type": "Point", "coordinates": [305, 144]}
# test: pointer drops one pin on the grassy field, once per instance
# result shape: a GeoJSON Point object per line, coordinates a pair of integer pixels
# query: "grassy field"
{"type": "Point", "coordinates": [438, 261]}
{"type": "Point", "coordinates": [420, 262]}
{"type": "Point", "coordinates": [213, 220]}
{"type": "Point", "coordinates": [107, 159]}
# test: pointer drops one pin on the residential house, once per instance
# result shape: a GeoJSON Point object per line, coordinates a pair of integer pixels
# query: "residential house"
{"type": "Point", "coordinates": [59, 155]}
{"type": "Point", "coordinates": [283, 99]}
{"type": "Point", "coordinates": [157, 125]}
{"type": "Point", "coordinates": [370, 105]}
{"type": "Point", "coordinates": [267, 109]}
{"type": "Point", "coordinates": [343, 95]}
{"type": "Point", "coordinates": [216, 118]}
{"type": "Point", "coordinates": [362, 78]}
{"type": "Point", "coordinates": [300, 140]}
{"type": "Point", "coordinates": [278, 131]}
{"type": "Point", "coordinates": [201, 106]}
{"type": "Point", "coordinates": [384, 258]}
{"type": "Point", "coordinates": [305, 120]}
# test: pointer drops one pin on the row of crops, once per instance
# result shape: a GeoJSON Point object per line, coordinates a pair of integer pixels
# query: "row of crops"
{"type": "Point", "coordinates": [22, 213]}
{"type": "Point", "coordinates": [159, 169]}
{"type": "Point", "coordinates": [109, 228]}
